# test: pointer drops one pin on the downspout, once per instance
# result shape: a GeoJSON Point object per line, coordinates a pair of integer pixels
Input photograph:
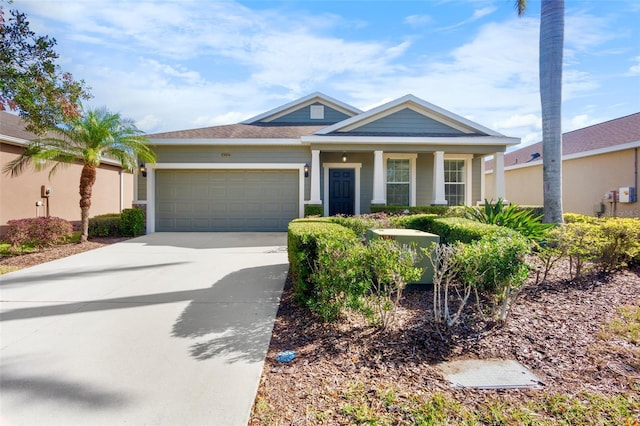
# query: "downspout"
{"type": "Point", "coordinates": [121, 189]}
{"type": "Point", "coordinates": [635, 171]}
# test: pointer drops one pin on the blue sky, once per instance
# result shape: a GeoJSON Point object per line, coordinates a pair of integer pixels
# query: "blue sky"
{"type": "Point", "coordinates": [173, 65]}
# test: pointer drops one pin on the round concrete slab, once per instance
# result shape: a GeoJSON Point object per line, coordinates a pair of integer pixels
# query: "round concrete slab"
{"type": "Point", "coordinates": [164, 329]}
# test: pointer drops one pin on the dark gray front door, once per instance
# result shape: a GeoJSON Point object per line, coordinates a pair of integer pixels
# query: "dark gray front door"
{"type": "Point", "coordinates": [341, 191]}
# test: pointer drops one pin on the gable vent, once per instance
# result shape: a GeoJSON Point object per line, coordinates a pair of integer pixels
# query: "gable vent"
{"type": "Point", "coordinates": [317, 112]}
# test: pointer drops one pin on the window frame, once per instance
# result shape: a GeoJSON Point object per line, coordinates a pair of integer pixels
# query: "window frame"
{"type": "Point", "coordinates": [468, 172]}
{"type": "Point", "coordinates": [412, 174]}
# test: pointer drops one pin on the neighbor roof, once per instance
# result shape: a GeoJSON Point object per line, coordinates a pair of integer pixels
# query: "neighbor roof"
{"type": "Point", "coordinates": [12, 126]}
{"type": "Point", "coordinates": [619, 131]}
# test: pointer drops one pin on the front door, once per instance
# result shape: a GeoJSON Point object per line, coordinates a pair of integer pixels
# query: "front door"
{"type": "Point", "coordinates": [341, 191]}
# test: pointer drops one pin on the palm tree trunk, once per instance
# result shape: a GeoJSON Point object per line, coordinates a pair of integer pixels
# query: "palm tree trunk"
{"type": "Point", "coordinates": [87, 179]}
{"type": "Point", "coordinates": [551, 45]}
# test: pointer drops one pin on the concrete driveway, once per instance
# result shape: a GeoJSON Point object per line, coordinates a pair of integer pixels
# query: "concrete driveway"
{"type": "Point", "coordinates": [165, 329]}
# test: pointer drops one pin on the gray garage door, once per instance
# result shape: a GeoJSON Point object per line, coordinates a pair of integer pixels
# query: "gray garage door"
{"type": "Point", "coordinates": [226, 200]}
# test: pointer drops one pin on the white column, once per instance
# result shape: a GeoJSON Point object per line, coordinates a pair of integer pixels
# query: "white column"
{"type": "Point", "coordinates": [482, 180]}
{"type": "Point", "coordinates": [151, 199]}
{"type": "Point", "coordinates": [498, 175]}
{"type": "Point", "coordinates": [378, 178]}
{"type": "Point", "coordinates": [315, 177]}
{"type": "Point", "coordinates": [438, 179]}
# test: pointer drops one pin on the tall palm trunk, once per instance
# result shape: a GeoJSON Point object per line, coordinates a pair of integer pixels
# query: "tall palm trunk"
{"type": "Point", "coordinates": [551, 45]}
{"type": "Point", "coordinates": [87, 179]}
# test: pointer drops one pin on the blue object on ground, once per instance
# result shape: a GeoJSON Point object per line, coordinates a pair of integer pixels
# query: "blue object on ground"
{"type": "Point", "coordinates": [285, 356]}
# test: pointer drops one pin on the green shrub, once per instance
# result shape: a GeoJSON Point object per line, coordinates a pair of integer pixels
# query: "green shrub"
{"type": "Point", "coordinates": [305, 238]}
{"type": "Point", "coordinates": [579, 218]}
{"type": "Point", "coordinates": [339, 279]}
{"type": "Point", "coordinates": [421, 222]}
{"type": "Point", "coordinates": [620, 242]}
{"type": "Point", "coordinates": [457, 229]}
{"type": "Point", "coordinates": [360, 224]}
{"type": "Point", "coordinates": [517, 218]}
{"type": "Point", "coordinates": [495, 266]}
{"type": "Point", "coordinates": [400, 210]}
{"type": "Point", "coordinates": [390, 267]}
{"type": "Point", "coordinates": [105, 225]}
{"type": "Point", "coordinates": [582, 242]}
{"type": "Point", "coordinates": [132, 222]}
{"type": "Point", "coordinates": [38, 231]}
{"type": "Point", "coordinates": [313, 210]}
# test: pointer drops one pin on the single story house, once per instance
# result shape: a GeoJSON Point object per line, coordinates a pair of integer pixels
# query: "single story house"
{"type": "Point", "coordinates": [599, 170]}
{"type": "Point", "coordinates": [24, 196]}
{"type": "Point", "coordinates": [316, 151]}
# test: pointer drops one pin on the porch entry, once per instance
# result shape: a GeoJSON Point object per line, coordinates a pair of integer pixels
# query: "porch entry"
{"type": "Point", "coordinates": [341, 191]}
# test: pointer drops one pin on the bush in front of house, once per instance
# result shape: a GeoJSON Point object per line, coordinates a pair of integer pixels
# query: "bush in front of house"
{"type": "Point", "coordinates": [38, 232]}
{"type": "Point", "coordinates": [132, 222]}
{"type": "Point", "coordinates": [313, 210]}
{"type": "Point", "coordinates": [305, 239]}
{"type": "Point", "coordinates": [105, 225]}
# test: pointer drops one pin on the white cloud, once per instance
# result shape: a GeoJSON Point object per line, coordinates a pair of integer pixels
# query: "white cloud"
{"type": "Point", "coordinates": [418, 20]}
{"type": "Point", "coordinates": [477, 14]}
{"type": "Point", "coordinates": [635, 69]}
{"type": "Point", "coordinates": [519, 120]}
{"type": "Point", "coordinates": [580, 121]}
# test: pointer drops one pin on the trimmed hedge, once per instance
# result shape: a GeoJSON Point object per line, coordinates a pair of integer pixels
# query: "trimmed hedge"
{"type": "Point", "coordinates": [450, 229]}
{"type": "Point", "coordinates": [105, 225]}
{"type": "Point", "coordinates": [38, 231]}
{"type": "Point", "coordinates": [132, 222]}
{"type": "Point", "coordinates": [313, 210]}
{"type": "Point", "coordinates": [305, 238]}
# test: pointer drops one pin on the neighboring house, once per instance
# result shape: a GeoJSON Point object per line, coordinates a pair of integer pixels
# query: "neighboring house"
{"type": "Point", "coordinates": [597, 161]}
{"type": "Point", "coordinates": [259, 174]}
{"type": "Point", "coordinates": [112, 192]}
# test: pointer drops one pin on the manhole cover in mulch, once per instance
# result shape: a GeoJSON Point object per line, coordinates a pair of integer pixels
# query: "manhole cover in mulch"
{"type": "Point", "coordinates": [489, 374]}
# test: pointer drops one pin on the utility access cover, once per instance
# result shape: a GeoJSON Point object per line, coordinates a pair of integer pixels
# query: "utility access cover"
{"type": "Point", "coordinates": [489, 374]}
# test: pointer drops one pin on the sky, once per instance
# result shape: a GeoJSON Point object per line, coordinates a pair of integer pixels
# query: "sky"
{"type": "Point", "coordinates": [176, 64]}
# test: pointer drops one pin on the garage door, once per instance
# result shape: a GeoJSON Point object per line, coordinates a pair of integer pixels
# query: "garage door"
{"type": "Point", "coordinates": [226, 200]}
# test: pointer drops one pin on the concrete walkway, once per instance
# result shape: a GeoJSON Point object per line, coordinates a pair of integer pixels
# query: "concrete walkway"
{"type": "Point", "coordinates": [166, 329]}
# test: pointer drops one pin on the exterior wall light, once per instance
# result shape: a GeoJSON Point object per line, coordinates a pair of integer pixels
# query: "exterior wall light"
{"type": "Point", "coordinates": [306, 170]}
{"type": "Point", "coordinates": [344, 157]}
{"type": "Point", "coordinates": [143, 170]}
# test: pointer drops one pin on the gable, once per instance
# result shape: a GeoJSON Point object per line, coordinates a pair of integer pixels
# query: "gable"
{"type": "Point", "coordinates": [316, 113]}
{"type": "Point", "coordinates": [314, 109]}
{"type": "Point", "coordinates": [405, 121]}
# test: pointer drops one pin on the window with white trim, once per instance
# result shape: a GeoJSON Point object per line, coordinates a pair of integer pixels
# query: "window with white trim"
{"type": "Point", "coordinates": [398, 182]}
{"type": "Point", "coordinates": [454, 182]}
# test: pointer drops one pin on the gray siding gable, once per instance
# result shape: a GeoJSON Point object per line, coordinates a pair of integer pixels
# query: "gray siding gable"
{"type": "Point", "coordinates": [406, 122]}
{"type": "Point", "coordinates": [302, 116]}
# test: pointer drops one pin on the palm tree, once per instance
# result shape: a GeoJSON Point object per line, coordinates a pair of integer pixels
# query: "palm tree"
{"type": "Point", "coordinates": [95, 135]}
{"type": "Point", "coordinates": [551, 45]}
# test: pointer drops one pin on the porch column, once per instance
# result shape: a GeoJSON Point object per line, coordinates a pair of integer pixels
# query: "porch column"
{"type": "Point", "coordinates": [438, 179]}
{"type": "Point", "coordinates": [498, 175]}
{"type": "Point", "coordinates": [378, 178]}
{"type": "Point", "coordinates": [315, 177]}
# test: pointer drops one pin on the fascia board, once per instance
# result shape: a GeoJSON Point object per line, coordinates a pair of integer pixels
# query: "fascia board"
{"type": "Point", "coordinates": [441, 140]}
{"type": "Point", "coordinates": [390, 107]}
{"type": "Point", "coordinates": [300, 103]}
{"type": "Point", "coordinates": [230, 141]}
{"type": "Point", "coordinates": [22, 142]}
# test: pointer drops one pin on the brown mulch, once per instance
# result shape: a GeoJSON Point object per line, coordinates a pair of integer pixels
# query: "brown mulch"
{"type": "Point", "coordinates": [554, 329]}
{"type": "Point", "coordinates": [52, 253]}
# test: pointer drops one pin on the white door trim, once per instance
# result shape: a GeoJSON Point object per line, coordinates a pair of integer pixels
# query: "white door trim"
{"type": "Point", "coordinates": [325, 197]}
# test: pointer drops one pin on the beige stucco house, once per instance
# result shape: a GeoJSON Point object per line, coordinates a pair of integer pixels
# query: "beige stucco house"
{"type": "Point", "coordinates": [599, 170]}
{"type": "Point", "coordinates": [112, 192]}
{"type": "Point", "coordinates": [316, 151]}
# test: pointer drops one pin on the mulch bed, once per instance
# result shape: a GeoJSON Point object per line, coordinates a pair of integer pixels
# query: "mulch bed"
{"type": "Point", "coordinates": [554, 329]}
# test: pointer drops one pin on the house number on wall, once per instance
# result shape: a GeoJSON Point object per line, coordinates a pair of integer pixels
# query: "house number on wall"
{"type": "Point", "coordinates": [225, 154]}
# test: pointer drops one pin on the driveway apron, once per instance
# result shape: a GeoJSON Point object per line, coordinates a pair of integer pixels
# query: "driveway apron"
{"type": "Point", "coordinates": [165, 329]}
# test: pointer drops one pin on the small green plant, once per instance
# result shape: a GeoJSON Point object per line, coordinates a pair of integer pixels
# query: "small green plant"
{"type": "Point", "coordinates": [313, 210]}
{"type": "Point", "coordinates": [511, 216]}
{"type": "Point", "coordinates": [582, 242]}
{"type": "Point", "coordinates": [620, 242]}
